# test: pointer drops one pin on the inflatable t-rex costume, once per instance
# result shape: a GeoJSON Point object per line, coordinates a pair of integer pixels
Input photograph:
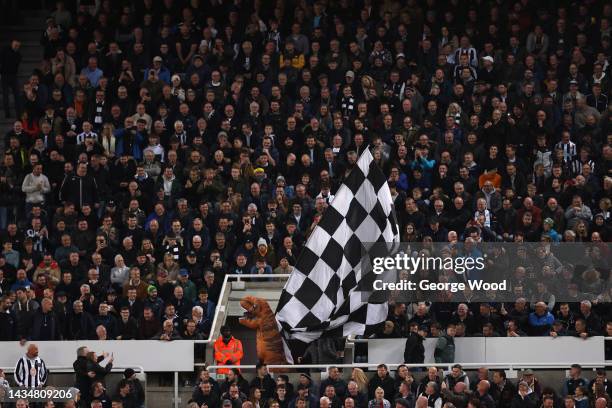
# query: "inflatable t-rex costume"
{"type": "Point", "coordinates": [259, 316]}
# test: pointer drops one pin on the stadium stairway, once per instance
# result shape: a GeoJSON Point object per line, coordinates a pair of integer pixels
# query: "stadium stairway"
{"type": "Point", "coordinates": [28, 33]}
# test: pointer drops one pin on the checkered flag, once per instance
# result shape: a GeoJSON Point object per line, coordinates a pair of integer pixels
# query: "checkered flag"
{"type": "Point", "coordinates": [323, 293]}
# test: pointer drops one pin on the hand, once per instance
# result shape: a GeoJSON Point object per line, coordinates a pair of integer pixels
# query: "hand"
{"type": "Point", "coordinates": [443, 385]}
{"type": "Point", "coordinates": [584, 335]}
{"type": "Point", "coordinates": [91, 374]}
{"type": "Point", "coordinates": [553, 334]}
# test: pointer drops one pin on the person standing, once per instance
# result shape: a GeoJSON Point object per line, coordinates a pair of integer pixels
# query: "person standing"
{"type": "Point", "coordinates": [30, 371]}
{"type": "Point", "coordinates": [82, 376]}
{"type": "Point", "coordinates": [45, 323]}
{"type": "Point", "coordinates": [35, 186]}
{"type": "Point", "coordinates": [228, 350]}
{"type": "Point", "coordinates": [79, 188]}
{"type": "Point", "coordinates": [10, 58]}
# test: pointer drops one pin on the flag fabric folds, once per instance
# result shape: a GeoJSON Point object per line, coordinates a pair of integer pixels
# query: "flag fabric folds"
{"type": "Point", "coordinates": [323, 297]}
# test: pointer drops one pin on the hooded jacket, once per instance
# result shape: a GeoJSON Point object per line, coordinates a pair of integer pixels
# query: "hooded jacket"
{"type": "Point", "coordinates": [228, 353]}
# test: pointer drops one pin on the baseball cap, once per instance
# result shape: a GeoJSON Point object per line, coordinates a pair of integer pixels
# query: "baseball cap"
{"type": "Point", "coordinates": [227, 403]}
{"type": "Point", "coordinates": [191, 253]}
{"type": "Point", "coordinates": [157, 59]}
{"type": "Point", "coordinates": [184, 272]}
{"type": "Point", "coordinates": [488, 58]}
{"type": "Point", "coordinates": [350, 74]}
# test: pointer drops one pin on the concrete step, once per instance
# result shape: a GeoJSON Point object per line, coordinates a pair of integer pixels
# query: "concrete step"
{"type": "Point", "coordinates": [34, 21]}
{"type": "Point", "coordinates": [23, 32]}
{"type": "Point", "coordinates": [161, 397]}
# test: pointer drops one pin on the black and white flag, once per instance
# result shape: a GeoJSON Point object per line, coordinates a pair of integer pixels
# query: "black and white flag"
{"type": "Point", "coordinates": [323, 293]}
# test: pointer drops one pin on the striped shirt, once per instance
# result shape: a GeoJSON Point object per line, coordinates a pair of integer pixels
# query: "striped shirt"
{"type": "Point", "coordinates": [30, 372]}
{"type": "Point", "coordinates": [577, 166]}
{"type": "Point", "coordinates": [80, 139]}
{"type": "Point", "coordinates": [569, 150]}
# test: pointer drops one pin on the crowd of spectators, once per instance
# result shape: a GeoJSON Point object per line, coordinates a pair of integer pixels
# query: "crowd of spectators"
{"type": "Point", "coordinates": [431, 388]}
{"type": "Point", "coordinates": [162, 145]}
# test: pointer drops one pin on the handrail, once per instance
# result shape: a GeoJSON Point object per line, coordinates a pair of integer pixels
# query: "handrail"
{"type": "Point", "coordinates": [352, 339]}
{"type": "Point", "coordinates": [238, 278]}
{"type": "Point", "coordinates": [70, 369]}
{"type": "Point", "coordinates": [372, 366]}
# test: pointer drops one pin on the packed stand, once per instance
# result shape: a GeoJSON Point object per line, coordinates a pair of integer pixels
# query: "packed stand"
{"type": "Point", "coordinates": [455, 388]}
{"type": "Point", "coordinates": [163, 145]}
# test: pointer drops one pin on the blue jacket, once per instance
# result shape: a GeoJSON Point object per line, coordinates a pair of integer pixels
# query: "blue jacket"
{"type": "Point", "coordinates": [163, 75]}
{"type": "Point", "coordinates": [136, 145]}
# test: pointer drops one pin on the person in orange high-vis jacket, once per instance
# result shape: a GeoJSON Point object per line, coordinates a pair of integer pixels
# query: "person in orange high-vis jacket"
{"type": "Point", "coordinates": [228, 350]}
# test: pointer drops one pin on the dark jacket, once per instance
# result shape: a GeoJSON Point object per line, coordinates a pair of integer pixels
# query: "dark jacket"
{"type": "Point", "coordinates": [211, 400]}
{"type": "Point", "coordinates": [82, 380]}
{"type": "Point", "coordinates": [530, 401]}
{"type": "Point", "coordinates": [127, 330]}
{"type": "Point", "coordinates": [9, 61]}
{"type": "Point", "coordinates": [7, 327]}
{"type": "Point", "coordinates": [503, 396]}
{"type": "Point", "coordinates": [414, 353]}
{"type": "Point", "coordinates": [486, 400]}
{"type": "Point", "coordinates": [45, 326]}
{"type": "Point", "coordinates": [339, 386]}
{"type": "Point", "coordinates": [81, 326]}
{"type": "Point", "coordinates": [460, 400]}
{"type": "Point", "coordinates": [147, 329]}
{"type": "Point", "coordinates": [266, 385]}
{"type": "Point", "coordinates": [386, 383]}
{"type": "Point", "coordinates": [79, 190]}
{"type": "Point", "coordinates": [100, 372]}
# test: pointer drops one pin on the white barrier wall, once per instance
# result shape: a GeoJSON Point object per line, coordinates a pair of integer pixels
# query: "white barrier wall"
{"type": "Point", "coordinates": [536, 350]}
{"type": "Point", "coordinates": [545, 349]}
{"type": "Point", "coordinates": [151, 355]}
{"type": "Point", "coordinates": [392, 350]}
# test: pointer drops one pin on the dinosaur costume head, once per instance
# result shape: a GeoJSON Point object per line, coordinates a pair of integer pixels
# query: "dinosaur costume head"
{"type": "Point", "coordinates": [259, 316]}
{"type": "Point", "coordinates": [255, 307]}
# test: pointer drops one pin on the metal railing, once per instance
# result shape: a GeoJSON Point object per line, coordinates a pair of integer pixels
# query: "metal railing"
{"type": "Point", "coordinates": [373, 366]}
{"type": "Point", "coordinates": [70, 369]}
{"type": "Point", "coordinates": [220, 308]}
